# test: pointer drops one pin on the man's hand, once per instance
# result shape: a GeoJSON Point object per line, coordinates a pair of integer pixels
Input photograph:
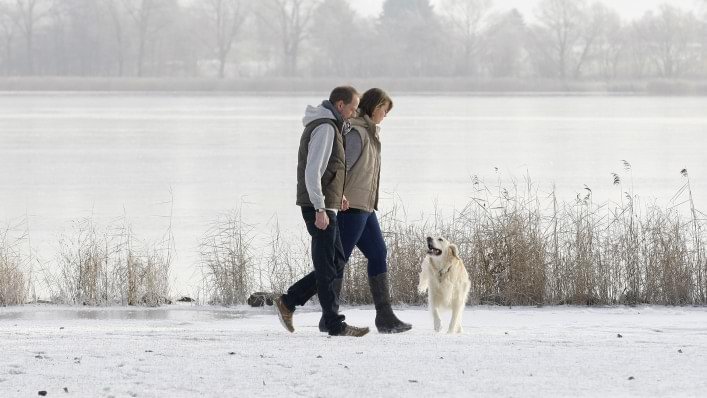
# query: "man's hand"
{"type": "Point", "coordinates": [321, 220]}
{"type": "Point", "coordinates": [344, 203]}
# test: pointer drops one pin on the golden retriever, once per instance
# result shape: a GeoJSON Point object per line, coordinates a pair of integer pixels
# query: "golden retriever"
{"type": "Point", "coordinates": [445, 279]}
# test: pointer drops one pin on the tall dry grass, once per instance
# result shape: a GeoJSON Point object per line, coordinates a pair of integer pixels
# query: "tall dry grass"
{"type": "Point", "coordinates": [104, 265]}
{"type": "Point", "coordinates": [234, 264]}
{"type": "Point", "coordinates": [228, 259]}
{"type": "Point", "coordinates": [521, 247]}
{"type": "Point", "coordinates": [14, 265]}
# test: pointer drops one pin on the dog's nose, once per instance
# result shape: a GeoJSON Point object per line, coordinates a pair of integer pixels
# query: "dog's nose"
{"type": "Point", "coordinates": [429, 239]}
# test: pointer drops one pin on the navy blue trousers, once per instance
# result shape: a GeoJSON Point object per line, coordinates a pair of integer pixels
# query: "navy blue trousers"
{"type": "Point", "coordinates": [361, 229]}
{"type": "Point", "coordinates": [328, 259]}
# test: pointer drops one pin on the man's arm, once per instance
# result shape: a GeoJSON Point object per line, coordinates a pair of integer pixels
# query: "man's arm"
{"type": "Point", "coordinates": [319, 152]}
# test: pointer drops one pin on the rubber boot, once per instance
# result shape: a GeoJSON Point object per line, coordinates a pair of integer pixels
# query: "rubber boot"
{"type": "Point", "coordinates": [386, 321]}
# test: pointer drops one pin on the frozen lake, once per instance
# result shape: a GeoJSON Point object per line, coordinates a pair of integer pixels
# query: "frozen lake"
{"type": "Point", "coordinates": [217, 352]}
{"type": "Point", "coordinates": [67, 156]}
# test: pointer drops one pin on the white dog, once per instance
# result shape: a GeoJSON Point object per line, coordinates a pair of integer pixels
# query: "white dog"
{"type": "Point", "coordinates": [446, 280]}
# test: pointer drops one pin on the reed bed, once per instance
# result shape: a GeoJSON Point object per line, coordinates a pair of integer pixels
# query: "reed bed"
{"type": "Point", "coordinates": [107, 265]}
{"type": "Point", "coordinates": [14, 264]}
{"type": "Point", "coordinates": [234, 264]}
{"type": "Point", "coordinates": [520, 247]}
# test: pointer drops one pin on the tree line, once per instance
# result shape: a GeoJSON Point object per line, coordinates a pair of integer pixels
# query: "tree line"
{"type": "Point", "coordinates": [563, 39]}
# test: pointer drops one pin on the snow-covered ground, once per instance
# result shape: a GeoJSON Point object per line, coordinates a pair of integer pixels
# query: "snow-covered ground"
{"type": "Point", "coordinates": [189, 351]}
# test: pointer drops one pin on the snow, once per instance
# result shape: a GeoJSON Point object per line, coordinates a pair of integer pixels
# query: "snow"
{"type": "Point", "coordinates": [186, 351]}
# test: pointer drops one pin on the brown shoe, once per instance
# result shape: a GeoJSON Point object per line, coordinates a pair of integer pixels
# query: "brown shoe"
{"type": "Point", "coordinates": [353, 331]}
{"type": "Point", "coordinates": [284, 314]}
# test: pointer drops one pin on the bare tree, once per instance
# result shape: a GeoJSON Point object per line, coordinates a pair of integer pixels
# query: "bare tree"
{"type": "Point", "coordinates": [7, 36]}
{"type": "Point", "coordinates": [505, 39]}
{"type": "Point", "coordinates": [671, 39]}
{"type": "Point", "coordinates": [596, 22]}
{"type": "Point", "coordinates": [225, 18]}
{"type": "Point", "coordinates": [411, 39]}
{"type": "Point", "coordinates": [115, 12]}
{"type": "Point", "coordinates": [29, 14]}
{"type": "Point", "coordinates": [340, 32]}
{"type": "Point", "coordinates": [610, 45]}
{"type": "Point", "coordinates": [147, 16]}
{"type": "Point", "coordinates": [466, 19]}
{"type": "Point", "coordinates": [289, 21]}
{"type": "Point", "coordinates": [562, 20]}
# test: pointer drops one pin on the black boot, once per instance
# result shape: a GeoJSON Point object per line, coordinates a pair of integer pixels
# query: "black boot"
{"type": "Point", "coordinates": [386, 321]}
{"type": "Point", "coordinates": [337, 292]}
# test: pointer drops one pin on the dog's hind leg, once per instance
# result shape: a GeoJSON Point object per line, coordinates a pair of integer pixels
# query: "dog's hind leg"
{"type": "Point", "coordinates": [435, 316]}
{"type": "Point", "coordinates": [455, 325]}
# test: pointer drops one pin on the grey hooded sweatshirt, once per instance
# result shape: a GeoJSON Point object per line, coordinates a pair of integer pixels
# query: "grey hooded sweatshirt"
{"type": "Point", "coordinates": [319, 152]}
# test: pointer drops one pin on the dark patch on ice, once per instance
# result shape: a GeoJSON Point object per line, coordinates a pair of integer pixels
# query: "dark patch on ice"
{"type": "Point", "coordinates": [126, 314]}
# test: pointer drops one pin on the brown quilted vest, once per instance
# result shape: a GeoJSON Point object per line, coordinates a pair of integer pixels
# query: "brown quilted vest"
{"type": "Point", "coordinates": [335, 173]}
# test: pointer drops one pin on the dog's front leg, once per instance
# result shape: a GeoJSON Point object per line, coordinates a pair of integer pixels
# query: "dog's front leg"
{"type": "Point", "coordinates": [424, 283]}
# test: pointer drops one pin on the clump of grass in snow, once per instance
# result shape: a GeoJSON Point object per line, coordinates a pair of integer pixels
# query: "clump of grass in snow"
{"type": "Point", "coordinates": [13, 267]}
{"type": "Point", "coordinates": [227, 259]}
{"type": "Point", "coordinates": [109, 265]}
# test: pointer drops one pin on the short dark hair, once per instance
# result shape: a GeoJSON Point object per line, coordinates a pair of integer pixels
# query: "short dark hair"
{"type": "Point", "coordinates": [372, 99]}
{"type": "Point", "coordinates": [343, 93]}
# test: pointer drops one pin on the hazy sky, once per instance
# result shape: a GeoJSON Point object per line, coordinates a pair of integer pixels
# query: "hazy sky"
{"type": "Point", "coordinates": [628, 9]}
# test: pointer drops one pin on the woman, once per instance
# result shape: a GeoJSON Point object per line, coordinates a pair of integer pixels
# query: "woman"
{"type": "Point", "coordinates": [359, 225]}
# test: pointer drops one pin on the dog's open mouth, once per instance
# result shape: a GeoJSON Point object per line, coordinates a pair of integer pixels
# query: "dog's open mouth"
{"type": "Point", "coordinates": [433, 250]}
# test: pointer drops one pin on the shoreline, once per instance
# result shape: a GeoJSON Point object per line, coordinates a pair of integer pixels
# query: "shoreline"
{"type": "Point", "coordinates": [419, 86]}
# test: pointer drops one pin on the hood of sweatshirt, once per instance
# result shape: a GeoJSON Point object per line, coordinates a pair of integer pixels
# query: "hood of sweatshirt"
{"type": "Point", "coordinates": [320, 111]}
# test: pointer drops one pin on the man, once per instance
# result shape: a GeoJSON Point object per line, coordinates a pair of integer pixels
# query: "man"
{"type": "Point", "coordinates": [321, 169]}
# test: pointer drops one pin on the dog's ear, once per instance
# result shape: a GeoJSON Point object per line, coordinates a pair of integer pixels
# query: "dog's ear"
{"type": "Point", "coordinates": [453, 250]}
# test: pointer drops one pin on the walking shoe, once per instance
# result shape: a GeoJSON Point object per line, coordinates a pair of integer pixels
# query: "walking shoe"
{"type": "Point", "coordinates": [284, 314]}
{"type": "Point", "coordinates": [353, 331]}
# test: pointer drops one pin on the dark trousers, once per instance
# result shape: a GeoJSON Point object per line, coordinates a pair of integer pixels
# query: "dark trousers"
{"type": "Point", "coordinates": [328, 259]}
{"type": "Point", "coordinates": [361, 229]}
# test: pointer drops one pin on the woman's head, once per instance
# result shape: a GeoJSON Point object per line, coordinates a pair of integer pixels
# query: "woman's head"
{"type": "Point", "coordinates": [376, 104]}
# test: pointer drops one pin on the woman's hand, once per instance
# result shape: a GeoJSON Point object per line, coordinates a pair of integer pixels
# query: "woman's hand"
{"type": "Point", "coordinates": [344, 203]}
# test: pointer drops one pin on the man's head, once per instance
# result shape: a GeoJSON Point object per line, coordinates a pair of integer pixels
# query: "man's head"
{"type": "Point", "coordinates": [345, 99]}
